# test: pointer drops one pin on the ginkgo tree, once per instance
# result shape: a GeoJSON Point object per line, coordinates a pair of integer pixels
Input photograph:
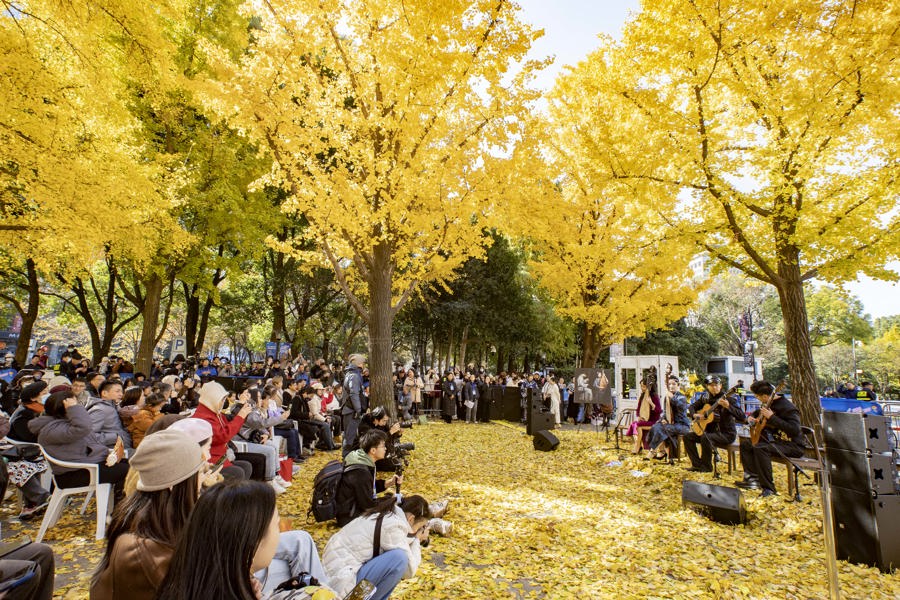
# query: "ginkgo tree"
{"type": "Point", "coordinates": [607, 262]}
{"type": "Point", "coordinates": [775, 127]}
{"type": "Point", "coordinates": [390, 125]}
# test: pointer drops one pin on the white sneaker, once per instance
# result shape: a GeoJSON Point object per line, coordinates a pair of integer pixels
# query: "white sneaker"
{"type": "Point", "coordinates": [440, 526]}
{"type": "Point", "coordinates": [278, 489]}
{"type": "Point", "coordinates": [281, 481]}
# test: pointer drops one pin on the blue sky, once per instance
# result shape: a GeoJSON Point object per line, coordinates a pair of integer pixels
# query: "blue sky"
{"type": "Point", "coordinates": [570, 33]}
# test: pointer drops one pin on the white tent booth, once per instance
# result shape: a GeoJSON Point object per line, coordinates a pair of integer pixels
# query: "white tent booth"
{"type": "Point", "coordinates": [629, 370]}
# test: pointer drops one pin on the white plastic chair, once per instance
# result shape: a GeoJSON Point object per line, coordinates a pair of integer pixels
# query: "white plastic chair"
{"type": "Point", "coordinates": [103, 491]}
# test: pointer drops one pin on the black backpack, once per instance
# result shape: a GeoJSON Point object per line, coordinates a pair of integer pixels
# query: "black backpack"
{"type": "Point", "coordinates": [323, 505]}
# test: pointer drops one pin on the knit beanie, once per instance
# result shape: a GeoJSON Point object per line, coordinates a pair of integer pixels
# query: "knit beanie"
{"type": "Point", "coordinates": [164, 459]}
{"type": "Point", "coordinates": [196, 429]}
{"type": "Point", "coordinates": [58, 381]}
{"type": "Point", "coordinates": [32, 391]}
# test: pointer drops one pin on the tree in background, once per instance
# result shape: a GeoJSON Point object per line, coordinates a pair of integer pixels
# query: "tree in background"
{"type": "Point", "coordinates": [774, 125]}
{"type": "Point", "coordinates": [388, 123]}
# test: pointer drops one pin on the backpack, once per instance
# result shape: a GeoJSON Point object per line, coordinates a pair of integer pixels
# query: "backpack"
{"type": "Point", "coordinates": [323, 505]}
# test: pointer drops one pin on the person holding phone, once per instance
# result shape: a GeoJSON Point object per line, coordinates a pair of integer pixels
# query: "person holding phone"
{"type": "Point", "coordinates": [211, 410]}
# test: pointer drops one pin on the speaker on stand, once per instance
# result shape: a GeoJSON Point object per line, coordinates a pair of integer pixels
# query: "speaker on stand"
{"type": "Point", "coordinates": [866, 505]}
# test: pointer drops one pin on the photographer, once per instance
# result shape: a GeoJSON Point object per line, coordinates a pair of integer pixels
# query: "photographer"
{"type": "Point", "coordinates": [359, 484]}
{"type": "Point", "coordinates": [379, 419]}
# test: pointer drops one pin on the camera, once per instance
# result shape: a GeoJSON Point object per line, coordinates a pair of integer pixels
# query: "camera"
{"type": "Point", "coordinates": [404, 448]}
{"type": "Point", "coordinates": [406, 424]}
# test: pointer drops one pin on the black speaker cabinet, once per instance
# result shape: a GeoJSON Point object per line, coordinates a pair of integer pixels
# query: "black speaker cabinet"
{"type": "Point", "coordinates": [512, 404]}
{"type": "Point", "coordinates": [860, 471]}
{"type": "Point", "coordinates": [856, 431]}
{"type": "Point", "coordinates": [545, 441]}
{"type": "Point", "coordinates": [538, 421]}
{"type": "Point", "coordinates": [867, 529]}
{"type": "Point", "coordinates": [721, 504]}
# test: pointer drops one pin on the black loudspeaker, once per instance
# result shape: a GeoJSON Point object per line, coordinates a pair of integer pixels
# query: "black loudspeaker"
{"type": "Point", "coordinates": [538, 421]}
{"type": "Point", "coordinates": [512, 407]}
{"type": "Point", "coordinates": [721, 504]}
{"type": "Point", "coordinates": [856, 431]}
{"type": "Point", "coordinates": [545, 441]}
{"type": "Point", "coordinates": [860, 471]}
{"type": "Point", "coordinates": [867, 529]}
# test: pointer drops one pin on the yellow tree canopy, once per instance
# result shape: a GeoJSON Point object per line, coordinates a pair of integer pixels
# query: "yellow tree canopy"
{"type": "Point", "coordinates": [72, 181]}
{"type": "Point", "coordinates": [388, 122]}
{"type": "Point", "coordinates": [773, 128]}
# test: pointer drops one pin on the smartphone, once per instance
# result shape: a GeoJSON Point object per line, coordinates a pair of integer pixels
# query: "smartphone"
{"type": "Point", "coordinates": [236, 408]}
{"type": "Point", "coordinates": [19, 578]}
{"type": "Point", "coordinates": [220, 462]}
{"type": "Point", "coordinates": [364, 590]}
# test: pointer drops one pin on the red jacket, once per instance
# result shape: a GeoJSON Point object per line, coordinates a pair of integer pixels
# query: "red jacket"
{"type": "Point", "coordinates": [223, 431]}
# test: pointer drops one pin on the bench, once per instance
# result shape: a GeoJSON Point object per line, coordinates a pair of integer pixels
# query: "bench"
{"type": "Point", "coordinates": [810, 461]}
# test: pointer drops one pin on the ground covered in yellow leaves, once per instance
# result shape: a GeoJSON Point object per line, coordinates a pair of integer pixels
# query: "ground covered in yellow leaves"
{"type": "Point", "coordinates": [568, 524]}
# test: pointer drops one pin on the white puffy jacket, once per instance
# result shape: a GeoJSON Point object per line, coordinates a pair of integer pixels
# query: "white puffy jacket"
{"type": "Point", "coordinates": [351, 547]}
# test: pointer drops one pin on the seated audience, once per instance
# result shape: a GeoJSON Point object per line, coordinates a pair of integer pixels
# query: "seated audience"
{"type": "Point", "coordinates": [232, 548]}
{"type": "Point", "coordinates": [66, 434]}
{"type": "Point", "coordinates": [145, 527]}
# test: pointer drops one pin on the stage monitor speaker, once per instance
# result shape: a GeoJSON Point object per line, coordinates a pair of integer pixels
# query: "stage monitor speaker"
{"type": "Point", "coordinates": [866, 529]}
{"type": "Point", "coordinates": [538, 421]}
{"type": "Point", "coordinates": [545, 441]}
{"type": "Point", "coordinates": [859, 471]}
{"type": "Point", "coordinates": [721, 504]}
{"type": "Point", "coordinates": [856, 431]}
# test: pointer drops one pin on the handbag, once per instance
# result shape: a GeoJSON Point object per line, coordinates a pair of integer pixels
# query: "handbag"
{"type": "Point", "coordinates": [15, 453]}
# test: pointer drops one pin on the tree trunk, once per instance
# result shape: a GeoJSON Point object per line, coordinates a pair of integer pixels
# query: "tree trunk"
{"type": "Point", "coordinates": [147, 345]}
{"type": "Point", "coordinates": [590, 346]}
{"type": "Point", "coordinates": [203, 324]}
{"type": "Point", "coordinates": [462, 346]}
{"type": "Point", "coordinates": [191, 317]}
{"type": "Point", "coordinates": [499, 360]}
{"type": "Point", "coordinates": [277, 298]}
{"type": "Point", "coordinates": [804, 391]}
{"type": "Point", "coordinates": [29, 316]}
{"type": "Point", "coordinates": [380, 325]}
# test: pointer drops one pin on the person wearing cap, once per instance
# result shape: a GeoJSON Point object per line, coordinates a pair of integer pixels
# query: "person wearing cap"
{"type": "Point", "coordinates": [352, 403]}
{"type": "Point", "coordinates": [30, 406]}
{"type": "Point", "coordinates": [25, 471]}
{"type": "Point", "coordinates": [146, 526]}
{"type": "Point", "coordinates": [720, 432]}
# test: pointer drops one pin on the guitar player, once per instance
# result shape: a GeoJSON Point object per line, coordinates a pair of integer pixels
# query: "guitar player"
{"type": "Point", "coordinates": [782, 430]}
{"type": "Point", "coordinates": [720, 432]}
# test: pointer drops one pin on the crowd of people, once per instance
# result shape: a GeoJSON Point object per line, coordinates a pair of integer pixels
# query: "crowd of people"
{"type": "Point", "coordinates": [195, 461]}
{"type": "Point", "coordinates": [193, 441]}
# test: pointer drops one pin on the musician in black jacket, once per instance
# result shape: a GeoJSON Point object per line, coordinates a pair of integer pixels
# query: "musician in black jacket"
{"type": "Point", "coordinates": [720, 432]}
{"type": "Point", "coordinates": [782, 433]}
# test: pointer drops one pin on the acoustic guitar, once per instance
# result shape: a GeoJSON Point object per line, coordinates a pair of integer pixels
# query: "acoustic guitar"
{"type": "Point", "coordinates": [757, 428]}
{"type": "Point", "coordinates": [705, 415]}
